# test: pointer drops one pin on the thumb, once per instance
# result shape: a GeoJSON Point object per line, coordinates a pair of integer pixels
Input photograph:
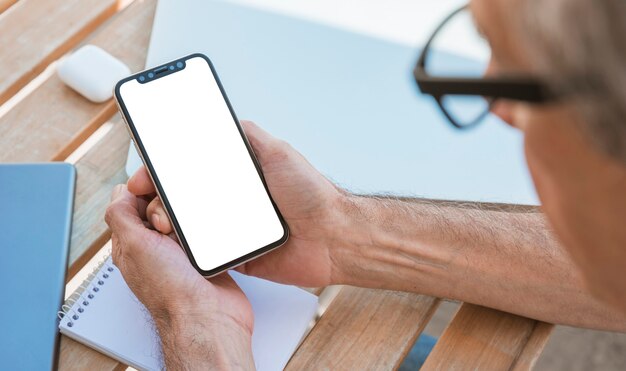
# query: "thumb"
{"type": "Point", "coordinates": [262, 142]}
{"type": "Point", "coordinates": [140, 183]}
{"type": "Point", "coordinates": [129, 235]}
{"type": "Point", "coordinates": [122, 215]}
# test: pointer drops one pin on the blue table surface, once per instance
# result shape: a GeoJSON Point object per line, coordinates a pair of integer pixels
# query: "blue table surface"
{"type": "Point", "coordinates": [347, 101]}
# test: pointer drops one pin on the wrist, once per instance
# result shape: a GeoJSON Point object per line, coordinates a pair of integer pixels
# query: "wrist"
{"type": "Point", "coordinates": [351, 237]}
{"type": "Point", "coordinates": [378, 241]}
{"type": "Point", "coordinates": [203, 338]}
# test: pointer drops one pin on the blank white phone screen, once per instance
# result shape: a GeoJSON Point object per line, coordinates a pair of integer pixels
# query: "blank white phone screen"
{"type": "Point", "coordinates": [203, 165]}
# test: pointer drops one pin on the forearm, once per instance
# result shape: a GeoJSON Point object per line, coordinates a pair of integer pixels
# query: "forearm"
{"type": "Point", "coordinates": [506, 260]}
{"type": "Point", "coordinates": [196, 343]}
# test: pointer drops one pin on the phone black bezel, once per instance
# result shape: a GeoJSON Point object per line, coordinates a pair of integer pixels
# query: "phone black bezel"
{"type": "Point", "coordinates": [146, 159]}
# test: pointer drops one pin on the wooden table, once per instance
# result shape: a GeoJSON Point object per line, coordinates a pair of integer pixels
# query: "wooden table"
{"type": "Point", "coordinates": [46, 121]}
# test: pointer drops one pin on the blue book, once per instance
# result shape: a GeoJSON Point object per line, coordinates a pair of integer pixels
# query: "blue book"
{"type": "Point", "coordinates": [36, 202]}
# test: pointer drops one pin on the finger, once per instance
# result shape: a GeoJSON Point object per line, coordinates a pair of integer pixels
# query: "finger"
{"type": "Point", "coordinates": [123, 215]}
{"type": "Point", "coordinates": [142, 205]}
{"type": "Point", "coordinates": [131, 238]}
{"type": "Point", "coordinates": [140, 183]}
{"type": "Point", "coordinates": [158, 217]}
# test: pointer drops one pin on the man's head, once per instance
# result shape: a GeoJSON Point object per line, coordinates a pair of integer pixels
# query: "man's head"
{"type": "Point", "coordinates": [576, 149]}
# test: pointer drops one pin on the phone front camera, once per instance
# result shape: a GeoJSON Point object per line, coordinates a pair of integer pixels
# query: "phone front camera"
{"type": "Point", "coordinates": [150, 75]}
{"type": "Point", "coordinates": [142, 78]}
{"type": "Point", "coordinates": [179, 64]}
{"type": "Point", "coordinates": [171, 68]}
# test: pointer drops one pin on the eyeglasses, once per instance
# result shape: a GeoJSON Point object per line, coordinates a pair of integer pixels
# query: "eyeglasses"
{"type": "Point", "coordinates": [456, 83]}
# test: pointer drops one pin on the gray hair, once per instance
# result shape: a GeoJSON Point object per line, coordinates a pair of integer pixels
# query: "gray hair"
{"type": "Point", "coordinates": [585, 39]}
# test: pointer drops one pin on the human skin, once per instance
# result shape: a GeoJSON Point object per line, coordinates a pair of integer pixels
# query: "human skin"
{"type": "Point", "coordinates": [582, 190]}
{"type": "Point", "coordinates": [202, 324]}
{"type": "Point", "coordinates": [518, 260]}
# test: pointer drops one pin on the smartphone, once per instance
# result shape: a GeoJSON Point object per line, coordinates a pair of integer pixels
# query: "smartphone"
{"type": "Point", "coordinates": [202, 165]}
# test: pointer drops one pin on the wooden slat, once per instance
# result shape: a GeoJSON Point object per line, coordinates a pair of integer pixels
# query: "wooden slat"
{"type": "Point", "coordinates": [76, 356]}
{"type": "Point", "coordinates": [5, 4]}
{"type": "Point", "coordinates": [480, 338]}
{"type": "Point", "coordinates": [53, 120]}
{"type": "Point", "coordinates": [98, 172]}
{"type": "Point", "coordinates": [36, 32]}
{"type": "Point", "coordinates": [364, 329]}
{"type": "Point", "coordinates": [534, 346]}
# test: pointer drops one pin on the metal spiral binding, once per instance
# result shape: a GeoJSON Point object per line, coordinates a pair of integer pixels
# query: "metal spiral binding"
{"type": "Point", "coordinates": [86, 291]}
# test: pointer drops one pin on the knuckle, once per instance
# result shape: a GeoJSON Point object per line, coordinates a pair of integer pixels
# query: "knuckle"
{"type": "Point", "coordinates": [155, 204]}
{"type": "Point", "coordinates": [109, 214]}
{"type": "Point", "coordinates": [116, 250]}
{"type": "Point", "coordinates": [156, 208]}
{"type": "Point", "coordinates": [126, 248]}
{"type": "Point", "coordinates": [133, 242]}
{"type": "Point", "coordinates": [150, 208]}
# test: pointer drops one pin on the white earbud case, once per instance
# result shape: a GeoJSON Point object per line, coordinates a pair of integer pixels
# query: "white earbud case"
{"type": "Point", "coordinates": [92, 72]}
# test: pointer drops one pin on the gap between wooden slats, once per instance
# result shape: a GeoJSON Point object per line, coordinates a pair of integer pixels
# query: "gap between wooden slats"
{"type": "Point", "coordinates": [484, 338]}
{"type": "Point", "coordinates": [365, 329]}
{"type": "Point", "coordinates": [38, 32]}
{"type": "Point", "coordinates": [53, 120]}
{"type": "Point", "coordinates": [102, 167]}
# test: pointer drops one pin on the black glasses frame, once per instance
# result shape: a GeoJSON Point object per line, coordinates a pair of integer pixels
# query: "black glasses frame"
{"type": "Point", "coordinates": [518, 88]}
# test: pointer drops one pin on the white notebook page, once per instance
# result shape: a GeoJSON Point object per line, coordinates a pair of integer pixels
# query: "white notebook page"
{"type": "Point", "coordinates": [117, 324]}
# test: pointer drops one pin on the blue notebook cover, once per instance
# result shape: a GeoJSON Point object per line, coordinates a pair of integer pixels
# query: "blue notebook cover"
{"type": "Point", "coordinates": [36, 202]}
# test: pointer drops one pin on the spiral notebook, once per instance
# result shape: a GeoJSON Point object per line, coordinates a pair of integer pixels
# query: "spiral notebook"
{"type": "Point", "coordinates": [104, 314]}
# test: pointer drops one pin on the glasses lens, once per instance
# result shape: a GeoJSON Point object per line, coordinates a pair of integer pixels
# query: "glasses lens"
{"type": "Point", "coordinates": [465, 110]}
{"type": "Point", "coordinates": [458, 50]}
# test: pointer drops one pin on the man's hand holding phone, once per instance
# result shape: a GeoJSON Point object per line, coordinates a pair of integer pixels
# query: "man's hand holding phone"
{"type": "Point", "coordinates": [192, 314]}
{"type": "Point", "coordinates": [179, 298]}
{"type": "Point", "coordinates": [308, 201]}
